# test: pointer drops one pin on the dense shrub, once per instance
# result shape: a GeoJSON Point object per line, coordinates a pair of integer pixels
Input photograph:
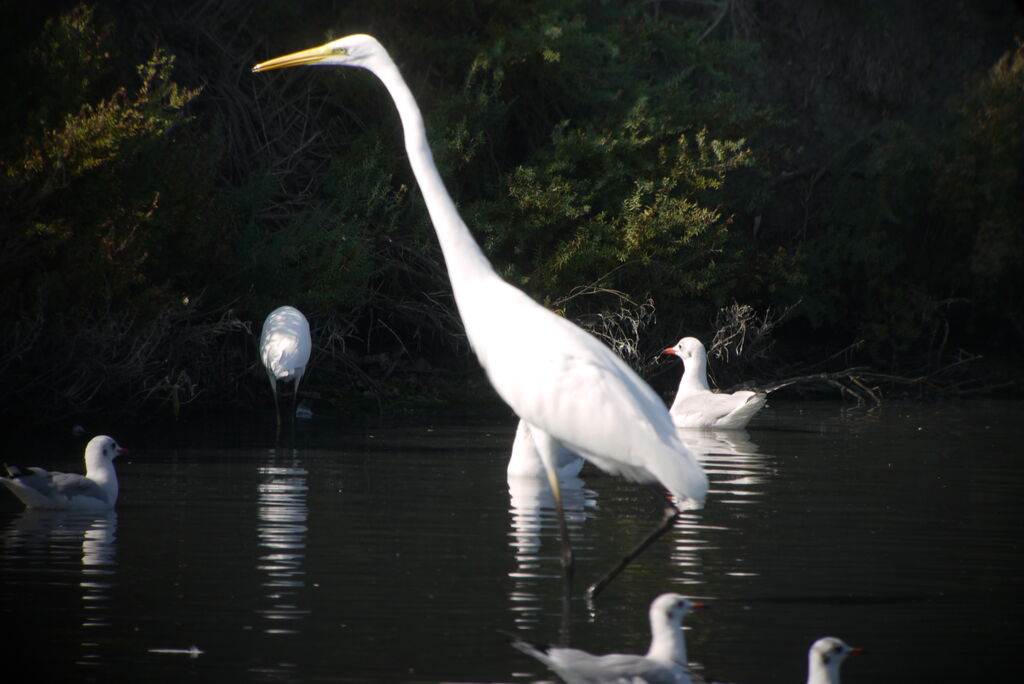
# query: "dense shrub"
{"type": "Point", "coordinates": [638, 166]}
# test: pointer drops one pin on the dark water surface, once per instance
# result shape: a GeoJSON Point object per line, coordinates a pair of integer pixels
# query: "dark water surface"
{"type": "Point", "coordinates": [396, 550]}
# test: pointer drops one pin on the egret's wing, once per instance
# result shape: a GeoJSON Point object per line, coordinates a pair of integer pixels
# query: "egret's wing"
{"type": "Point", "coordinates": [285, 342]}
{"type": "Point", "coordinates": [525, 459]}
{"type": "Point", "coordinates": [564, 381]}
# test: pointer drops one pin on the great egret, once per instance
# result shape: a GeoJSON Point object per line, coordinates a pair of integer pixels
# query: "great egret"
{"type": "Point", "coordinates": [665, 661]}
{"type": "Point", "coordinates": [696, 406]}
{"type": "Point", "coordinates": [824, 658]}
{"type": "Point", "coordinates": [566, 385]}
{"type": "Point", "coordinates": [526, 462]}
{"type": "Point", "coordinates": [94, 491]}
{"type": "Point", "coordinates": [285, 346]}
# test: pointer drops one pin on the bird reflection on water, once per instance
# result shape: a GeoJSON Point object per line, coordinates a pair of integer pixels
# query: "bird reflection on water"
{"type": "Point", "coordinates": [82, 547]}
{"type": "Point", "coordinates": [282, 535]}
{"type": "Point", "coordinates": [533, 517]}
{"type": "Point", "coordinates": [737, 471]}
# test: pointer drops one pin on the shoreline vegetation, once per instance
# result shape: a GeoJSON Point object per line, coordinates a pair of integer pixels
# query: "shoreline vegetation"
{"type": "Point", "coordinates": [829, 195]}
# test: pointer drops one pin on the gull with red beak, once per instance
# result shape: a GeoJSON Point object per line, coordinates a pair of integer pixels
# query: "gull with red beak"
{"type": "Point", "coordinates": [666, 659]}
{"type": "Point", "coordinates": [824, 658]}
{"type": "Point", "coordinates": [94, 491]}
{"type": "Point", "coordinates": [696, 406]}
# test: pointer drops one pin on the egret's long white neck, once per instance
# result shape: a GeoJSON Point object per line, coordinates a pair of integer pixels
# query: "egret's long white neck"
{"type": "Point", "coordinates": [463, 257]}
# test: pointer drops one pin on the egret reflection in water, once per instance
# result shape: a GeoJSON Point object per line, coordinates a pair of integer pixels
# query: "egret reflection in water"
{"type": "Point", "coordinates": [533, 516]}
{"type": "Point", "coordinates": [282, 537]}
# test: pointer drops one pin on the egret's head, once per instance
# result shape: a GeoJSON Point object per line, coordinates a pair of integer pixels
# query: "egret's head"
{"type": "Point", "coordinates": [357, 50]}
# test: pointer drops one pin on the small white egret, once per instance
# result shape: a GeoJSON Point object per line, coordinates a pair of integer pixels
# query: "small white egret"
{"type": "Point", "coordinates": [566, 385]}
{"type": "Point", "coordinates": [95, 491]}
{"type": "Point", "coordinates": [285, 346]}
{"type": "Point", "coordinates": [824, 658]}
{"type": "Point", "coordinates": [526, 462]}
{"type": "Point", "coordinates": [666, 659]}
{"type": "Point", "coordinates": [696, 406]}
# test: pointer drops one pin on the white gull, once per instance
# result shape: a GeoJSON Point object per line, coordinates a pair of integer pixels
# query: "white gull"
{"type": "Point", "coordinates": [96, 490]}
{"type": "Point", "coordinates": [696, 406]}
{"type": "Point", "coordinates": [665, 662]}
{"type": "Point", "coordinates": [824, 658]}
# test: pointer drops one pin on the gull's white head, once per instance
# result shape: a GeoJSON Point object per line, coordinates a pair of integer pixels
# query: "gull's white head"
{"type": "Point", "coordinates": [358, 50]}
{"type": "Point", "coordinates": [825, 657]}
{"type": "Point", "coordinates": [102, 449]}
{"type": "Point", "coordinates": [688, 348]}
{"type": "Point", "coordinates": [674, 607]}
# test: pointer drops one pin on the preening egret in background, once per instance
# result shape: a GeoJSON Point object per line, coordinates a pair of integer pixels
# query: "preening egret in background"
{"type": "Point", "coordinates": [566, 385]}
{"type": "Point", "coordinates": [94, 491]}
{"type": "Point", "coordinates": [665, 661]}
{"type": "Point", "coordinates": [696, 406]}
{"type": "Point", "coordinates": [525, 461]}
{"type": "Point", "coordinates": [825, 657]}
{"type": "Point", "coordinates": [285, 346]}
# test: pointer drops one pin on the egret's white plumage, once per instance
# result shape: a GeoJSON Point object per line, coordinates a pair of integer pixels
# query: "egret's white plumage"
{"type": "Point", "coordinates": [285, 346]}
{"type": "Point", "coordinates": [96, 490]}
{"type": "Point", "coordinates": [525, 461]}
{"type": "Point", "coordinates": [824, 658]}
{"type": "Point", "coordinates": [696, 406]}
{"type": "Point", "coordinates": [566, 385]}
{"type": "Point", "coordinates": [665, 662]}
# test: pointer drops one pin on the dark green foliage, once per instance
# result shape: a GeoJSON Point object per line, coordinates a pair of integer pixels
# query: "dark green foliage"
{"type": "Point", "coordinates": [979, 192]}
{"type": "Point", "coordinates": [99, 198]}
{"type": "Point", "coordinates": [921, 233]}
{"type": "Point", "coordinates": [158, 199]}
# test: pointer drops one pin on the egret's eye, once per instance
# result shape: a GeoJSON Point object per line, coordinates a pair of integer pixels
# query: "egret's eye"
{"type": "Point", "coordinates": [339, 51]}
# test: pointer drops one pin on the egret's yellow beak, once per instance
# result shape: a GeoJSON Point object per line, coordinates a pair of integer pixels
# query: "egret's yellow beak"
{"type": "Point", "coordinates": [310, 56]}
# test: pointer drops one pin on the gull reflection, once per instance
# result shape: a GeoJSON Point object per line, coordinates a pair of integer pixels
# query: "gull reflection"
{"type": "Point", "coordinates": [737, 472]}
{"type": "Point", "coordinates": [282, 536]}
{"type": "Point", "coordinates": [731, 460]}
{"type": "Point", "coordinates": [81, 544]}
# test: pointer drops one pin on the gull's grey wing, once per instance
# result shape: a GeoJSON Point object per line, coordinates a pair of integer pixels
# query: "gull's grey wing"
{"type": "Point", "coordinates": [36, 479]}
{"type": "Point", "coordinates": [72, 484]}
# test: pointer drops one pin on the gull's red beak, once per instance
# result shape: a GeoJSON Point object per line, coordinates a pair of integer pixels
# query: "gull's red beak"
{"type": "Point", "coordinates": [670, 350]}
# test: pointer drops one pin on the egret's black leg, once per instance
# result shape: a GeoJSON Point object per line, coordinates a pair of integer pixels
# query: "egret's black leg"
{"type": "Point", "coordinates": [295, 401]}
{"type": "Point", "coordinates": [277, 406]}
{"type": "Point", "coordinates": [568, 562]}
{"type": "Point", "coordinates": [667, 520]}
